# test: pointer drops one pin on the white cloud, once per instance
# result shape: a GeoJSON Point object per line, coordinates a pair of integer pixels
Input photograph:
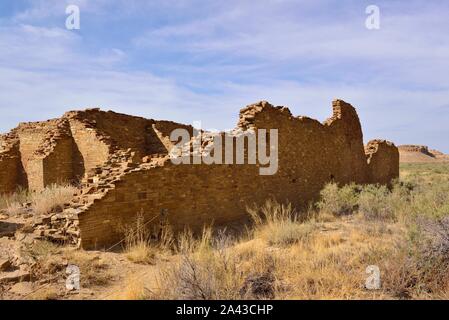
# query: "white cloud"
{"type": "Point", "coordinates": [224, 55]}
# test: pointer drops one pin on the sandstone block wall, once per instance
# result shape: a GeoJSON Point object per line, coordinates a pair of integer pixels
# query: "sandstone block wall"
{"type": "Point", "coordinates": [310, 155]}
{"type": "Point", "coordinates": [11, 170]}
{"type": "Point", "coordinates": [124, 167]}
{"type": "Point", "coordinates": [37, 154]}
{"type": "Point", "coordinates": [383, 160]}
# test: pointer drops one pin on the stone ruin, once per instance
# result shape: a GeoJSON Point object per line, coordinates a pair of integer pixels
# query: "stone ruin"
{"type": "Point", "coordinates": [122, 166]}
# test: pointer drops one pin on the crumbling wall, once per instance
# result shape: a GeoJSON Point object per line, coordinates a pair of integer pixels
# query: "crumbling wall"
{"type": "Point", "coordinates": [117, 131]}
{"type": "Point", "coordinates": [46, 152]}
{"type": "Point", "coordinates": [346, 144]}
{"type": "Point", "coordinates": [162, 130]}
{"type": "Point", "coordinates": [11, 170]}
{"type": "Point", "coordinates": [124, 167]}
{"type": "Point", "coordinates": [90, 148]}
{"type": "Point", "coordinates": [31, 136]}
{"type": "Point", "coordinates": [310, 155]}
{"type": "Point", "coordinates": [383, 161]}
{"type": "Point", "coordinates": [72, 147]}
{"type": "Point", "coordinates": [57, 165]}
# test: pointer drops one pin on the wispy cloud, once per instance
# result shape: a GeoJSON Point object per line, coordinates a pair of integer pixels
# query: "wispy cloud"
{"type": "Point", "coordinates": [203, 60]}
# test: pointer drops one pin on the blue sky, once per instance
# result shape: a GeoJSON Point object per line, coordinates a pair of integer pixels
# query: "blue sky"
{"type": "Point", "coordinates": [204, 60]}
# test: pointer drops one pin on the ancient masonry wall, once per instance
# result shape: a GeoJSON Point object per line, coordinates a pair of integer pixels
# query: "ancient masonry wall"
{"type": "Point", "coordinates": [383, 159]}
{"type": "Point", "coordinates": [123, 165]}
{"type": "Point", "coordinates": [11, 170]}
{"type": "Point", "coordinates": [38, 154]}
{"type": "Point", "coordinates": [310, 155]}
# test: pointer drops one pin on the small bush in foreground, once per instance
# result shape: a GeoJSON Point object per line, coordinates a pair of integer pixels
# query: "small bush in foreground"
{"type": "Point", "coordinates": [374, 203]}
{"type": "Point", "coordinates": [338, 201]}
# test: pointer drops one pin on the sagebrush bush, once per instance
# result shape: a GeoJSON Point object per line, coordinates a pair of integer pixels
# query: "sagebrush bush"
{"type": "Point", "coordinates": [431, 200]}
{"type": "Point", "coordinates": [375, 203]}
{"type": "Point", "coordinates": [432, 251]}
{"type": "Point", "coordinates": [420, 265]}
{"type": "Point", "coordinates": [207, 269]}
{"type": "Point", "coordinates": [338, 201]}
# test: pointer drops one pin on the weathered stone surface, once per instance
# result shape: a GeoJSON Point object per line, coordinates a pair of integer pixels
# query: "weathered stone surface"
{"type": "Point", "coordinates": [5, 264]}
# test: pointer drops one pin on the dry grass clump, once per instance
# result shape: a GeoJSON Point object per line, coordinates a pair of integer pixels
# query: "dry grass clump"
{"type": "Point", "coordinates": [141, 246]}
{"type": "Point", "coordinates": [46, 259]}
{"type": "Point", "coordinates": [51, 197]}
{"type": "Point", "coordinates": [12, 203]}
{"type": "Point", "coordinates": [138, 247]}
{"type": "Point", "coordinates": [209, 268]}
{"type": "Point", "coordinates": [141, 252]}
{"type": "Point", "coordinates": [14, 209]}
{"type": "Point", "coordinates": [41, 202]}
{"type": "Point", "coordinates": [94, 271]}
{"type": "Point", "coordinates": [134, 289]}
{"type": "Point", "coordinates": [278, 224]}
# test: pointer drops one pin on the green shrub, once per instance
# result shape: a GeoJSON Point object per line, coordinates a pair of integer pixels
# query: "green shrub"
{"type": "Point", "coordinates": [338, 201]}
{"type": "Point", "coordinates": [431, 200]}
{"type": "Point", "coordinates": [376, 203]}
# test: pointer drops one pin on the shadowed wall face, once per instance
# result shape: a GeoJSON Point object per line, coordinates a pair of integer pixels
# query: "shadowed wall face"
{"type": "Point", "coordinates": [11, 170]}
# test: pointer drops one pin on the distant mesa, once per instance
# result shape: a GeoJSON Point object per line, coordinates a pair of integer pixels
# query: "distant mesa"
{"type": "Point", "coordinates": [416, 153]}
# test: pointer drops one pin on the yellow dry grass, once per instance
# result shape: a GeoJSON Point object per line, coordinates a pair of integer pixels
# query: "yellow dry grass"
{"type": "Point", "coordinates": [42, 202]}
{"type": "Point", "coordinates": [51, 197]}
{"type": "Point", "coordinates": [326, 254]}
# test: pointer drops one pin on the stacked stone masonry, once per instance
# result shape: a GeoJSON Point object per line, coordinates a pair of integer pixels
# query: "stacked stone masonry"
{"type": "Point", "coordinates": [123, 166]}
